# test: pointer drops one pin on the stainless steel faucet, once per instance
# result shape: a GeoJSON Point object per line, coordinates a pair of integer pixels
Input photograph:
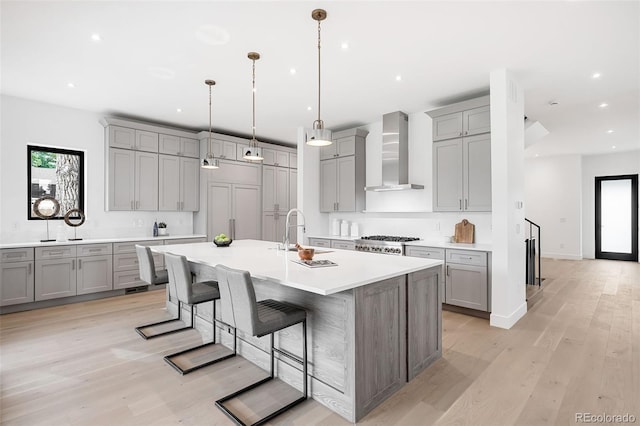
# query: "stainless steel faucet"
{"type": "Point", "coordinates": [287, 226]}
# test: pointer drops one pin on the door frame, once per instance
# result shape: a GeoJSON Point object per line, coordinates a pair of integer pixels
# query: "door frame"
{"type": "Point", "coordinates": [633, 256]}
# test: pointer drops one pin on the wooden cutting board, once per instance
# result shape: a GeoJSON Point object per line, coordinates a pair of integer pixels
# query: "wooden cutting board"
{"type": "Point", "coordinates": [465, 231]}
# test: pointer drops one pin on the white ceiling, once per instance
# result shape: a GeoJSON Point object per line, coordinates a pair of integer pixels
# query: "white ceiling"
{"type": "Point", "coordinates": [153, 58]}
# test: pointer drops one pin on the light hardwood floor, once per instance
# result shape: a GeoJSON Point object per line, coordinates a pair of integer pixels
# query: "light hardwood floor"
{"type": "Point", "coordinates": [577, 350]}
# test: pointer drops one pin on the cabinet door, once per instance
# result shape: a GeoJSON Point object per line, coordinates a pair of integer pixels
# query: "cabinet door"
{"type": "Point", "coordinates": [121, 193]}
{"type": "Point", "coordinates": [477, 173]}
{"type": "Point", "coordinates": [466, 286]}
{"type": "Point", "coordinates": [246, 212]}
{"type": "Point", "coordinates": [319, 242]}
{"type": "Point", "coordinates": [293, 161]}
{"type": "Point", "coordinates": [146, 184]}
{"type": "Point", "coordinates": [269, 157]}
{"type": "Point", "coordinates": [127, 279]}
{"type": "Point", "coordinates": [447, 126]}
{"type": "Point", "coordinates": [269, 188]}
{"type": "Point", "coordinates": [327, 152]}
{"type": "Point", "coordinates": [169, 186]}
{"type": "Point", "coordinates": [95, 274]}
{"type": "Point", "coordinates": [343, 245]}
{"type": "Point", "coordinates": [190, 147]}
{"type": "Point", "coordinates": [55, 278]}
{"type": "Point", "coordinates": [345, 146]}
{"type": "Point", "coordinates": [169, 144]}
{"type": "Point", "coordinates": [282, 189]}
{"type": "Point", "coordinates": [328, 185]}
{"type": "Point", "coordinates": [476, 121]}
{"type": "Point", "coordinates": [447, 175]}
{"type": "Point", "coordinates": [293, 188]}
{"type": "Point", "coordinates": [216, 147]}
{"type": "Point", "coordinates": [219, 210]}
{"type": "Point", "coordinates": [189, 184]}
{"type": "Point", "coordinates": [16, 283]}
{"type": "Point", "coordinates": [146, 141]}
{"type": "Point", "coordinates": [424, 328]}
{"type": "Point", "coordinates": [346, 182]}
{"type": "Point", "coordinates": [282, 159]}
{"type": "Point", "coordinates": [270, 226]}
{"type": "Point", "coordinates": [122, 137]}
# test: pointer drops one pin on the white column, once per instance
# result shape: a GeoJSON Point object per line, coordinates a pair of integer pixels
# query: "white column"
{"type": "Point", "coordinates": [507, 192]}
{"type": "Point", "coordinates": [308, 187]}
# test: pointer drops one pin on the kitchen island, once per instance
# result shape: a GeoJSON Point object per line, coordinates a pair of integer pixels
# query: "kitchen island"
{"type": "Point", "coordinates": [374, 321]}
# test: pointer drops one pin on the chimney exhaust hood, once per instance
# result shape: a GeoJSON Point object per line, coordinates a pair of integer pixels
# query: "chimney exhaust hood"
{"type": "Point", "coordinates": [395, 154]}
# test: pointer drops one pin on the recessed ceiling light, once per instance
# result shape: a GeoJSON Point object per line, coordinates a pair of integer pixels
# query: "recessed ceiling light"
{"type": "Point", "coordinates": [71, 85]}
{"type": "Point", "coordinates": [95, 37]}
{"type": "Point", "coordinates": [596, 75]}
{"type": "Point", "coordinates": [398, 77]}
{"type": "Point", "coordinates": [603, 105]}
{"type": "Point", "coordinates": [537, 155]}
{"type": "Point", "coordinates": [292, 71]}
{"type": "Point", "coordinates": [613, 147]}
{"type": "Point", "coordinates": [179, 110]}
{"type": "Point", "coordinates": [610, 131]}
{"type": "Point", "coordinates": [308, 108]}
{"type": "Point", "coordinates": [344, 45]}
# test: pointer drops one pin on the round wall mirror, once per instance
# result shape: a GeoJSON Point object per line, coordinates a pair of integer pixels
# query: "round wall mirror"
{"type": "Point", "coordinates": [74, 217]}
{"type": "Point", "coordinates": [46, 207]}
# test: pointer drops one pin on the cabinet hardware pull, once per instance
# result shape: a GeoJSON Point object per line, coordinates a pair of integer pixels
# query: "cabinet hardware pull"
{"type": "Point", "coordinates": [13, 255]}
{"type": "Point", "coordinates": [53, 253]}
{"type": "Point", "coordinates": [79, 263]}
{"type": "Point", "coordinates": [30, 265]}
{"type": "Point", "coordinates": [447, 270]}
{"type": "Point", "coordinates": [460, 203]}
{"type": "Point", "coordinates": [73, 264]}
{"type": "Point", "coordinates": [465, 204]}
{"type": "Point", "coordinates": [94, 249]}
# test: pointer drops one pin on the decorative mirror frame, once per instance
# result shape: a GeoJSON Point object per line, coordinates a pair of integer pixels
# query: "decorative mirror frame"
{"type": "Point", "coordinates": [30, 199]}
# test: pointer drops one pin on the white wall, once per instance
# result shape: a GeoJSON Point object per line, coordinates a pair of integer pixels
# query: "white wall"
{"type": "Point", "coordinates": [25, 122]}
{"type": "Point", "coordinates": [508, 302]}
{"type": "Point", "coordinates": [553, 200]}
{"type": "Point", "coordinates": [621, 163]}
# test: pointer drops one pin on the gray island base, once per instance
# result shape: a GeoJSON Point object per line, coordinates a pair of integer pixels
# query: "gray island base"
{"type": "Point", "coordinates": [364, 343]}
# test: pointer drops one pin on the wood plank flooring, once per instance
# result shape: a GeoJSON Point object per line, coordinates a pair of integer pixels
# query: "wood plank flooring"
{"type": "Point", "coordinates": [576, 351]}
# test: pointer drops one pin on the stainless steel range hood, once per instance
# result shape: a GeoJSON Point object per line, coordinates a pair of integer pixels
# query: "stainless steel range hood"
{"type": "Point", "coordinates": [395, 154]}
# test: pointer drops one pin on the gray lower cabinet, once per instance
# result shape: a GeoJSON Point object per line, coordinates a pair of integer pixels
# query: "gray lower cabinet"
{"type": "Point", "coordinates": [126, 272]}
{"type": "Point", "coordinates": [55, 272]}
{"type": "Point", "coordinates": [320, 242]}
{"type": "Point", "coordinates": [466, 281]}
{"type": "Point", "coordinates": [95, 268]}
{"type": "Point", "coordinates": [16, 276]}
{"type": "Point", "coordinates": [436, 253]}
{"type": "Point", "coordinates": [343, 244]}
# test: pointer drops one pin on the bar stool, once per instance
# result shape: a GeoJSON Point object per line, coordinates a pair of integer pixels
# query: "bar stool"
{"type": "Point", "coordinates": [193, 294]}
{"type": "Point", "coordinates": [241, 310]}
{"type": "Point", "coordinates": [149, 275]}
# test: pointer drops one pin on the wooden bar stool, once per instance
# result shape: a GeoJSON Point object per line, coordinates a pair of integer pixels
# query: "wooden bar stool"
{"type": "Point", "coordinates": [259, 318]}
{"type": "Point", "coordinates": [191, 293]}
{"type": "Point", "coordinates": [149, 275]}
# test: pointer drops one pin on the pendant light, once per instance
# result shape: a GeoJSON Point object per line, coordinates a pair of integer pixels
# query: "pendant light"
{"type": "Point", "coordinates": [253, 153]}
{"type": "Point", "coordinates": [319, 135]}
{"type": "Point", "coordinates": [209, 161]}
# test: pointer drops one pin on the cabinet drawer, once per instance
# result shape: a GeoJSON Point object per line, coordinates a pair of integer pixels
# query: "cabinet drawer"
{"type": "Point", "coordinates": [55, 252]}
{"type": "Point", "coordinates": [129, 262]}
{"type": "Point", "coordinates": [320, 242]}
{"type": "Point", "coordinates": [466, 257]}
{"type": "Point", "coordinates": [130, 247]}
{"type": "Point", "coordinates": [428, 252]}
{"type": "Point", "coordinates": [16, 255]}
{"type": "Point", "coordinates": [126, 279]}
{"type": "Point", "coordinates": [343, 245]}
{"type": "Point", "coordinates": [94, 249]}
{"type": "Point", "coordinates": [185, 241]}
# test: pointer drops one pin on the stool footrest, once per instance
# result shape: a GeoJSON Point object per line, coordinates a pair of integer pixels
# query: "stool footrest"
{"type": "Point", "coordinates": [185, 364]}
{"type": "Point", "coordinates": [148, 334]}
{"type": "Point", "coordinates": [226, 406]}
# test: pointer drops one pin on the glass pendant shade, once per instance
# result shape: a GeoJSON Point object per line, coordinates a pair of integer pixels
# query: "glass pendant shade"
{"type": "Point", "coordinates": [210, 162]}
{"type": "Point", "coordinates": [253, 152]}
{"type": "Point", "coordinates": [319, 136]}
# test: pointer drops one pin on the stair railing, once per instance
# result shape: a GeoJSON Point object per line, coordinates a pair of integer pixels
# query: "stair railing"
{"type": "Point", "coordinates": [533, 251]}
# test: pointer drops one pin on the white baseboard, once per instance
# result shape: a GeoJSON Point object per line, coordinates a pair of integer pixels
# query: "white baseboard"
{"type": "Point", "coordinates": [562, 256]}
{"type": "Point", "coordinates": [507, 322]}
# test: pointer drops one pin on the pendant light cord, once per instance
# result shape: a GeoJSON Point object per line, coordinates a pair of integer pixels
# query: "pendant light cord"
{"type": "Point", "coordinates": [253, 123]}
{"type": "Point", "coordinates": [210, 114]}
{"type": "Point", "coordinates": [319, 79]}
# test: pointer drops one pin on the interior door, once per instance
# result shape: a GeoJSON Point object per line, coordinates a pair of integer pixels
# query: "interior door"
{"type": "Point", "coordinates": [616, 199]}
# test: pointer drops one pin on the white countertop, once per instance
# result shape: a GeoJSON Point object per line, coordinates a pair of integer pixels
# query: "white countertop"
{"type": "Point", "coordinates": [459, 246]}
{"type": "Point", "coordinates": [263, 261]}
{"type": "Point", "coordinates": [334, 237]}
{"type": "Point", "coordinates": [97, 241]}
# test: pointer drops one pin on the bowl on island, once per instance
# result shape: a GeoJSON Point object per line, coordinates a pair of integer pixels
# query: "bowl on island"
{"type": "Point", "coordinates": [305, 253]}
{"type": "Point", "coordinates": [223, 243]}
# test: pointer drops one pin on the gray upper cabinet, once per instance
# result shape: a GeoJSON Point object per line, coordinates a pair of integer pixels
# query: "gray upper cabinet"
{"type": "Point", "coordinates": [293, 160]}
{"type": "Point", "coordinates": [273, 157]}
{"type": "Point", "coordinates": [464, 123]}
{"type": "Point", "coordinates": [222, 149]}
{"type": "Point", "coordinates": [343, 173]}
{"type": "Point", "coordinates": [175, 145]}
{"type": "Point", "coordinates": [122, 137]}
{"type": "Point", "coordinates": [179, 183]}
{"type": "Point", "coordinates": [146, 141]}
{"type": "Point", "coordinates": [132, 180]}
{"type": "Point", "coordinates": [275, 189]}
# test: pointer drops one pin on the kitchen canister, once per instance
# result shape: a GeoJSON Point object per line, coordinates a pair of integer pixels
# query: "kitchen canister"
{"type": "Point", "coordinates": [344, 228]}
{"type": "Point", "coordinates": [354, 229]}
{"type": "Point", "coordinates": [335, 227]}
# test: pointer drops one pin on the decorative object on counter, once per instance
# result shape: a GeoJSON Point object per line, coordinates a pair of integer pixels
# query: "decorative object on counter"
{"type": "Point", "coordinates": [319, 135]}
{"type": "Point", "coordinates": [45, 208]}
{"type": "Point", "coordinates": [305, 253]}
{"type": "Point", "coordinates": [162, 229]}
{"type": "Point", "coordinates": [344, 228]}
{"type": "Point", "coordinates": [209, 161]}
{"type": "Point", "coordinates": [74, 218]}
{"type": "Point", "coordinates": [253, 153]}
{"type": "Point", "coordinates": [335, 227]}
{"type": "Point", "coordinates": [355, 232]}
{"type": "Point", "coordinates": [465, 231]}
{"type": "Point", "coordinates": [315, 263]}
{"type": "Point", "coordinates": [222, 240]}
{"type": "Point", "coordinates": [155, 228]}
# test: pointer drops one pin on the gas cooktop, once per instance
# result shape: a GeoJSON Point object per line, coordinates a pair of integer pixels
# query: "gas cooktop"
{"type": "Point", "coordinates": [390, 238]}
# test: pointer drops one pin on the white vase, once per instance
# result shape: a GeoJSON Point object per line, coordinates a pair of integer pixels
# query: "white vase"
{"type": "Point", "coordinates": [162, 231]}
